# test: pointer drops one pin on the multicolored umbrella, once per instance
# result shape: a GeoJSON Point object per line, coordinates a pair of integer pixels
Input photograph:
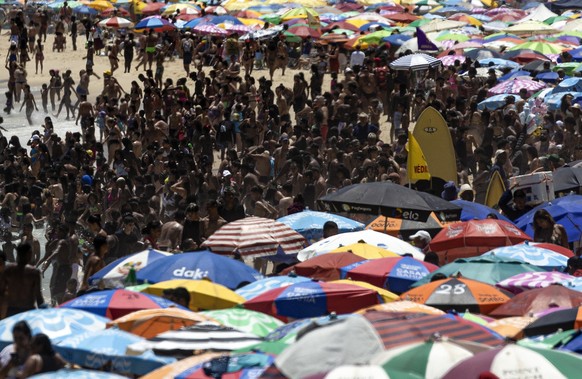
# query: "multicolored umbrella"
{"type": "Point", "coordinates": [415, 62]}
{"type": "Point", "coordinates": [537, 300]}
{"type": "Point", "coordinates": [470, 238]}
{"type": "Point", "coordinates": [99, 5]}
{"type": "Point", "coordinates": [157, 23]}
{"type": "Point", "coordinates": [532, 254]}
{"type": "Point", "coordinates": [405, 228]}
{"type": "Point", "coordinates": [78, 374]}
{"type": "Point", "coordinates": [148, 323]}
{"type": "Point", "coordinates": [325, 267]}
{"type": "Point", "coordinates": [56, 323]}
{"type": "Point", "coordinates": [176, 368]}
{"type": "Point", "coordinates": [98, 348]}
{"type": "Point", "coordinates": [116, 23]}
{"type": "Point", "coordinates": [564, 319]}
{"type": "Point", "coordinates": [312, 299]}
{"type": "Point", "coordinates": [154, 7]}
{"type": "Point", "coordinates": [113, 275]}
{"type": "Point", "coordinates": [209, 29]}
{"type": "Point", "coordinates": [117, 303]}
{"type": "Point", "coordinates": [245, 320]}
{"type": "Point", "coordinates": [199, 265]}
{"type": "Point", "coordinates": [365, 251]}
{"type": "Point", "coordinates": [540, 47]}
{"type": "Point", "coordinates": [403, 306]}
{"type": "Point", "coordinates": [250, 365]}
{"type": "Point", "coordinates": [255, 237]}
{"type": "Point", "coordinates": [459, 294]}
{"type": "Point", "coordinates": [531, 280]}
{"type": "Point", "coordinates": [489, 270]}
{"type": "Point", "coordinates": [511, 327]}
{"type": "Point", "coordinates": [430, 359]}
{"type": "Point", "coordinates": [520, 360]}
{"type": "Point", "coordinates": [451, 60]}
{"type": "Point", "coordinates": [394, 274]}
{"type": "Point", "coordinates": [263, 285]}
{"type": "Point", "coordinates": [310, 223]}
{"type": "Point", "coordinates": [204, 295]}
{"type": "Point", "coordinates": [515, 85]}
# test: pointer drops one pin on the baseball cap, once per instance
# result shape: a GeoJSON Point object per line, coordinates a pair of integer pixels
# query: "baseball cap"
{"type": "Point", "coordinates": [422, 234]}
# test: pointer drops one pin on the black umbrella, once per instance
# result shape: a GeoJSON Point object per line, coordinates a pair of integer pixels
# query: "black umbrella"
{"type": "Point", "coordinates": [390, 200]}
{"type": "Point", "coordinates": [567, 179]}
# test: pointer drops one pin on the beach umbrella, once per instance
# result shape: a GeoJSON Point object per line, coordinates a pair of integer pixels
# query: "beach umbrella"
{"type": "Point", "coordinates": [537, 300]}
{"type": "Point", "coordinates": [566, 211]}
{"type": "Point", "coordinates": [154, 7]}
{"type": "Point", "coordinates": [396, 39]}
{"type": "Point", "coordinates": [203, 293]}
{"type": "Point", "coordinates": [481, 53]}
{"type": "Point", "coordinates": [249, 365]}
{"type": "Point", "coordinates": [458, 294]}
{"type": "Point", "coordinates": [305, 32]}
{"type": "Point", "coordinates": [56, 323]}
{"type": "Point", "coordinates": [100, 5]}
{"type": "Point", "coordinates": [438, 25]}
{"type": "Point", "coordinates": [256, 323]}
{"type": "Point", "coordinates": [498, 63]}
{"type": "Point", "coordinates": [404, 228]}
{"type": "Point", "coordinates": [403, 328]}
{"type": "Point", "coordinates": [490, 270]}
{"type": "Point", "coordinates": [537, 66]}
{"type": "Point", "coordinates": [148, 323]}
{"type": "Point", "coordinates": [530, 280]}
{"type": "Point", "coordinates": [535, 255]}
{"type": "Point", "coordinates": [458, 37]}
{"type": "Point", "coordinates": [157, 23]}
{"type": "Point", "coordinates": [178, 8]}
{"type": "Point", "coordinates": [462, 17]}
{"type": "Point", "coordinates": [199, 265]}
{"type": "Point", "coordinates": [451, 60]}
{"type": "Point", "coordinates": [548, 77]}
{"type": "Point", "coordinates": [557, 340]}
{"type": "Point", "coordinates": [476, 211]}
{"type": "Point", "coordinates": [470, 238]}
{"type": "Point", "coordinates": [414, 62]}
{"type": "Point", "coordinates": [563, 319]}
{"type": "Point", "coordinates": [511, 327]}
{"type": "Point", "coordinates": [493, 102]}
{"type": "Point", "coordinates": [371, 237]}
{"type": "Point", "coordinates": [515, 85]}
{"type": "Point", "coordinates": [98, 348]}
{"type": "Point", "coordinates": [115, 273]}
{"type": "Point", "coordinates": [77, 374]}
{"type": "Point", "coordinates": [568, 85]}
{"type": "Point", "coordinates": [176, 368]}
{"type": "Point", "coordinates": [530, 28]}
{"type": "Point", "coordinates": [209, 29]}
{"type": "Point", "coordinates": [115, 12]}
{"type": "Point", "coordinates": [518, 359]}
{"type": "Point", "coordinates": [430, 359]}
{"type": "Point", "coordinates": [117, 303]}
{"type": "Point", "coordinates": [553, 101]}
{"type": "Point", "coordinates": [199, 337]}
{"type": "Point", "coordinates": [574, 283]}
{"type": "Point", "coordinates": [302, 12]}
{"type": "Point", "coordinates": [325, 267]}
{"type": "Point", "coordinates": [405, 18]}
{"type": "Point", "coordinates": [365, 250]}
{"type": "Point", "coordinates": [540, 47]}
{"type": "Point", "coordinates": [405, 306]}
{"type": "Point", "coordinates": [569, 68]}
{"type": "Point", "coordinates": [116, 23]}
{"type": "Point", "coordinates": [390, 199]}
{"type": "Point", "coordinates": [263, 285]}
{"type": "Point", "coordinates": [85, 10]}
{"type": "Point", "coordinates": [216, 9]}
{"type": "Point", "coordinates": [525, 56]}
{"type": "Point", "coordinates": [310, 223]}
{"type": "Point", "coordinates": [394, 274]}
{"type": "Point", "coordinates": [253, 237]}
{"type": "Point", "coordinates": [519, 74]}
{"type": "Point", "coordinates": [384, 294]}
{"type": "Point", "coordinates": [312, 299]}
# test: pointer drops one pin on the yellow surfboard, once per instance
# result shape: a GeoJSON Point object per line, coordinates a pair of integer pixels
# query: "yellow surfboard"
{"type": "Point", "coordinates": [494, 190]}
{"type": "Point", "coordinates": [432, 134]}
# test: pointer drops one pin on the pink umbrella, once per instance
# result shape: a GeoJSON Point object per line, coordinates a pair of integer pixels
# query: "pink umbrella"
{"type": "Point", "coordinates": [530, 280]}
{"type": "Point", "coordinates": [449, 60]}
{"type": "Point", "coordinates": [209, 29]}
{"type": "Point", "coordinates": [513, 86]}
{"type": "Point", "coordinates": [240, 29]}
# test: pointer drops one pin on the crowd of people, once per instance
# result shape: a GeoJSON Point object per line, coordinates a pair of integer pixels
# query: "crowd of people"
{"type": "Point", "coordinates": [169, 160]}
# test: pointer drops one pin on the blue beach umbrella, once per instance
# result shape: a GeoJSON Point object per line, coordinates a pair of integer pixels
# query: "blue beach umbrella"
{"type": "Point", "coordinates": [263, 285]}
{"type": "Point", "coordinates": [96, 349]}
{"type": "Point", "coordinates": [199, 265]}
{"type": "Point", "coordinates": [83, 9]}
{"type": "Point", "coordinates": [310, 223]}
{"type": "Point", "coordinates": [569, 85]}
{"type": "Point", "coordinates": [548, 76]}
{"type": "Point", "coordinates": [498, 62]}
{"type": "Point", "coordinates": [566, 211]}
{"type": "Point", "coordinates": [492, 102]}
{"type": "Point", "coordinates": [224, 18]}
{"type": "Point", "coordinates": [476, 211]}
{"type": "Point", "coordinates": [154, 22]}
{"type": "Point", "coordinates": [544, 258]}
{"type": "Point", "coordinates": [514, 75]}
{"type": "Point", "coordinates": [554, 100]}
{"type": "Point", "coordinates": [56, 323]}
{"type": "Point", "coordinates": [78, 374]}
{"type": "Point", "coordinates": [397, 39]}
{"type": "Point", "coordinates": [114, 274]}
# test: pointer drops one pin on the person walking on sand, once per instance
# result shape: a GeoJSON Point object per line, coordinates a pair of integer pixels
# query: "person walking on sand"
{"type": "Point", "coordinates": [29, 102]}
{"type": "Point", "coordinates": [39, 56]}
{"type": "Point", "coordinates": [68, 90]}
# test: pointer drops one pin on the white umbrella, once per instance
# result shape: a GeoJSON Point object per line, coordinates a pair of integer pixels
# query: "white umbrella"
{"type": "Point", "coordinates": [412, 45]}
{"type": "Point", "coordinates": [530, 27]}
{"type": "Point", "coordinates": [415, 62]}
{"type": "Point", "coordinates": [369, 236]}
{"type": "Point", "coordinates": [438, 25]}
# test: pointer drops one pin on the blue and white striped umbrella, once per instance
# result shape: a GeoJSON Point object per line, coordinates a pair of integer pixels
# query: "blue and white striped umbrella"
{"type": "Point", "coordinates": [96, 349]}
{"type": "Point", "coordinates": [498, 62]}
{"type": "Point", "coordinates": [415, 62]}
{"type": "Point", "coordinates": [544, 258]}
{"type": "Point", "coordinates": [310, 223]}
{"type": "Point", "coordinates": [77, 374]}
{"type": "Point", "coordinates": [56, 323]}
{"type": "Point", "coordinates": [263, 285]}
{"type": "Point", "coordinates": [114, 274]}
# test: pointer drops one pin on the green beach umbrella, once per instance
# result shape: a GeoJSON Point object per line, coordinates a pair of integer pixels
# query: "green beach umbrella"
{"type": "Point", "coordinates": [554, 19]}
{"type": "Point", "coordinates": [374, 38]}
{"type": "Point", "coordinates": [292, 38]}
{"type": "Point", "coordinates": [568, 67]}
{"type": "Point", "coordinates": [420, 22]}
{"type": "Point", "coordinates": [500, 34]}
{"type": "Point", "coordinates": [453, 37]}
{"type": "Point", "coordinates": [273, 18]}
{"type": "Point", "coordinates": [245, 320]}
{"type": "Point", "coordinates": [549, 341]}
{"type": "Point", "coordinates": [540, 47]}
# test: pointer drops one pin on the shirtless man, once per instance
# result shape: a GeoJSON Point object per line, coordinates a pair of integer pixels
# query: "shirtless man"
{"type": "Point", "coordinates": [29, 102]}
{"type": "Point", "coordinates": [68, 90]}
{"type": "Point", "coordinates": [96, 260]}
{"type": "Point", "coordinates": [86, 114]}
{"type": "Point", "coordinates": [150, 48]}
{"type": "Point", "coordinates": [27, 237]}
{"type": "Point", "coordinates": [171, 234]}
{"type": "Point", "coordinates": [22, 283]}
{"type": "Point", "coordinates": [262, 164]}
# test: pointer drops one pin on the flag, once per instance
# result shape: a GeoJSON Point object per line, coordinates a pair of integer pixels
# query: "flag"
{"type": "Point", "coordinates": [416, 165]}
{"type": "Point", "coordinates": [423, 42]}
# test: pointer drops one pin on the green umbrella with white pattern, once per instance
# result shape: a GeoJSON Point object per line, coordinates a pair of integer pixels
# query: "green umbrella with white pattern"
{"type": "Point", "coordinates": [245, 320]}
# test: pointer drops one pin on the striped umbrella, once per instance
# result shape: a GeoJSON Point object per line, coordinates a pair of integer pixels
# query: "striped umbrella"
{"type": "Point", "coordinates": [537, 300]}
{"type": "Point", "coordinates": [245, 320]}
{"type": "Point", "coordinates": [157, 23]}
{"type": "Point", "coordinates": [535, 255]}
{"type": "Point", "coordinates": [209, 29]}
{"type": "Point", "coordinates": [310, 223]}
{"type": "Point", "coordinates": [531, 280]}
{"type": "Point", "coordinates": [263, 285]}
{"type": "Point", "coordinates": [404, 306]}
{"type": "Point", "coordinates": [255, 237]}
{"type": "Point", "coordinates": [450, 60]}
{"type": "Point", "coordinates": [415, 62]}
{"type": "Point", "coordinates": [116, 23]}
{"type": "Point", "coordinates": [516, 85]}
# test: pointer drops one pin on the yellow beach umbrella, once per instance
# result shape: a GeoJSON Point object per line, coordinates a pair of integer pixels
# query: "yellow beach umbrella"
{"type": "Point", "coordinates": [176, 368]}
{"type": "Point", "coordinates": [148, 323]}
{"type": "Point", "coordinates": [386, 295]}
{"type": "Point", "coordinates": [204, 295]}
{"type": "Point", "coordinates": [366, 251]}
{"type": "Point", "coordinates": [358, 22]}
{"type": "Point", "coordinates": [251, 22]}
{"type": "Point", "coordinates": [403, 306]}
{"type": "Point", "coordinates": [239, 5]}
{"type": "Point", "coordinates": [138, 6]}
{"type": "Point", "coordinates": [303, 3]}
{"type": "Point", "coordinates": [171, 9]}
{"type": "Point", "coordinates": [304, 12]}
{"type": "Point", "coordinates": [100, 5]}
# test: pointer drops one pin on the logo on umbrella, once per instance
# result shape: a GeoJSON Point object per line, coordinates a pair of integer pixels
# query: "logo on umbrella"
{"type": "Point", "coordinates": [192, 274]}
